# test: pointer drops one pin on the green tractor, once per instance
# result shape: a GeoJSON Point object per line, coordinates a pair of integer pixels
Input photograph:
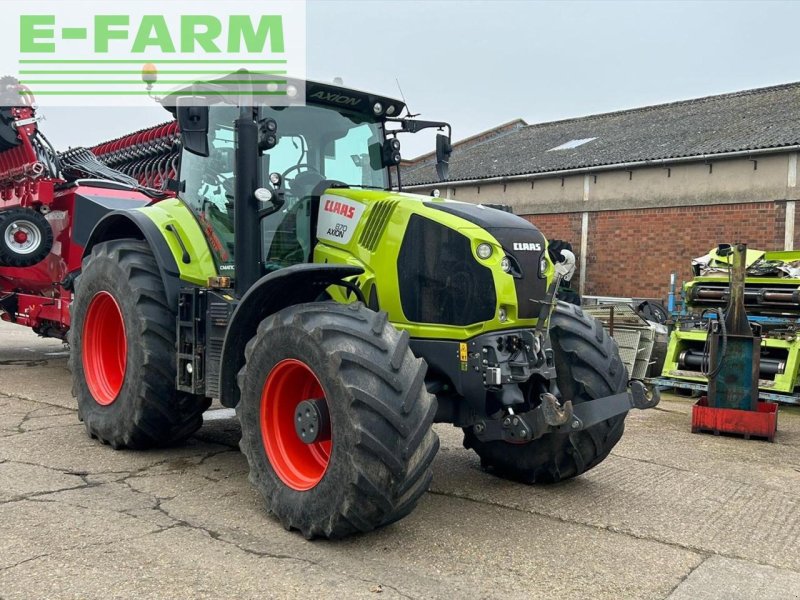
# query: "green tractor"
{"type": "Point", "coordinates": [290, 278]}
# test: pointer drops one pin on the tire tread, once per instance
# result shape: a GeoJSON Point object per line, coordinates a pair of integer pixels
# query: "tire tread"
{"type": "Point", "coordinates": [394, 443]}
{"type": "Point", "coordinates": [589, 366]}
{"type": "Point", "coordinates": [160, 415]}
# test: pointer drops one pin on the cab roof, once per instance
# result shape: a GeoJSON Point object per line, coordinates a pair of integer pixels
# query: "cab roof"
{"type": "Point", "coordinates": [316, 93]}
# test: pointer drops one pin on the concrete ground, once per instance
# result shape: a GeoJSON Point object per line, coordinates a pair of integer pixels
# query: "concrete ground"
{"type": "Point", "coordinates": [668, 515]}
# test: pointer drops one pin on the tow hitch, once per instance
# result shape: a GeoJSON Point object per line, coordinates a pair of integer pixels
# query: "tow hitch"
{"type": "Point", "coordinates": [553, 417]}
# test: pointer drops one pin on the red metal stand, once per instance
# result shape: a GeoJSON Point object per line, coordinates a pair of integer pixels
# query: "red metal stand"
{"type": "Point", "coordinates": [760, 423]}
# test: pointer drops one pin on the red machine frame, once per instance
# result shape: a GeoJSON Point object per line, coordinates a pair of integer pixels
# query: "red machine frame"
{"type": "Point", "coordinates": [39, 296]}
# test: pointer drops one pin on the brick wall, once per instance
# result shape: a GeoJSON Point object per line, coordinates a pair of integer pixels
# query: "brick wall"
{"type": "Point", "coordinates": [560, 227]}
{"type": "Point", "coordinates": [633, 252]}
{"type": "Point", "coordinates": [564, 226]}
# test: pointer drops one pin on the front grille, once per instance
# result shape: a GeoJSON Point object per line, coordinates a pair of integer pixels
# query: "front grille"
{"type": "Point", "coordinates": [376, 223]}
{"type": "Point", "coordinates": [531, 288]}
{"type": "Point", "coordinates": [440, 279]}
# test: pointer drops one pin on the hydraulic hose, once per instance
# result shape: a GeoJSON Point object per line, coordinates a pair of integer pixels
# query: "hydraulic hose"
{"type": "Point", "coordinates": [705, 367]}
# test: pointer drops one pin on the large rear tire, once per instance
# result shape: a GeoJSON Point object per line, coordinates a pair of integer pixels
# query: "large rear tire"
{"type": "Point", "coordinates": [372, 463]}
{"type": "Point", "coordinates": [123, 363]}
{"type": "Point", "coordinates": [588, 366]}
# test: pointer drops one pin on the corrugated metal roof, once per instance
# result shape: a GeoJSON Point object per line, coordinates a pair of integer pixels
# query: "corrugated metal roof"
{"type": "Point", "coordinates": [752, 119]}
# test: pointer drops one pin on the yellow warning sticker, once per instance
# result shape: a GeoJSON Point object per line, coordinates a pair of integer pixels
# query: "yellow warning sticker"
{"type": "Point", "coordinates": [462, 352]}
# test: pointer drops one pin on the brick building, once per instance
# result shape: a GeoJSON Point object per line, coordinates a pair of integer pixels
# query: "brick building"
{"type": "Point", "coordinates": [641, 192]}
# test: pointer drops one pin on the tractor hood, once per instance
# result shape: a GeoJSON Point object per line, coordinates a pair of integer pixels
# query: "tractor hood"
{"type": "Point", "coordinates": [424, 254]}
{"type": "Point", "coordinates": [523, 243]}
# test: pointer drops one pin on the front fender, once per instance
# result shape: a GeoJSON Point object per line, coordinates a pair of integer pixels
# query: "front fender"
{"type": "Point", "coordinates": [274, 292]}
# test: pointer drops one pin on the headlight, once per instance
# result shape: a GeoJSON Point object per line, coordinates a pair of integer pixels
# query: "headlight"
{"type": "Point", "coordinates": [543, 267]}
{"type": "Point", "coordinates": [505, 264]}
{"type": "Point", "coordinates": [502, 315]}
{"type": "Point", "coordinates": [484, 251]}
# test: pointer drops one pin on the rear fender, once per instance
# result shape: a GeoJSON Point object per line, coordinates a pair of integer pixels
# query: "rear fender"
{"type": "Point", "coordinates": [177, 240]}
{"type": "Point", "coordinates": [126, 224]}
{"type": "Point", "coordinates": [274, 292]}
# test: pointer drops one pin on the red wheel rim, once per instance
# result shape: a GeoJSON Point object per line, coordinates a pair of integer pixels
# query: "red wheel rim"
{"type": "Point", "coordinates": [105, 348]}
{"type": "Point", "coordinates": [300, 466]}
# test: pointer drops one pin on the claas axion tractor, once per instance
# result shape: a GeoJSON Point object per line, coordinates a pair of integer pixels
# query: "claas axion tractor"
{"type": "Point", "coordinates": [266, 256]}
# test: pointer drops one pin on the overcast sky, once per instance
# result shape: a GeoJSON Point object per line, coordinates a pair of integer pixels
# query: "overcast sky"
{"type": "Point", "coordinates": [479, 64]}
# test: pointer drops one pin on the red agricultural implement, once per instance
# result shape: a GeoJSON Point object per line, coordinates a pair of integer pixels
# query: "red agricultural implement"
{"type": "Point", "coordinates": [50, 202]}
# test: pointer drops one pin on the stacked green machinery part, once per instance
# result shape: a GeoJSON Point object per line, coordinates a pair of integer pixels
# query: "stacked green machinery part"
{"type": "Point", "coordinates": [772, 302]}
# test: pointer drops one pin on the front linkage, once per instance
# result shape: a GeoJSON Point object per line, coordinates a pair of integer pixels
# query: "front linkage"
{"type": "Point", "coordinates": [553, 417]}
{"type": "Point", "coordinates": [550, 416]}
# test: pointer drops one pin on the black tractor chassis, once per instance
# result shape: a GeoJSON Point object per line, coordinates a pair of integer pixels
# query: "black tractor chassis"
{"type": "Point", "coordinates": [203, 318]}
{"type": "Point", "coordinates": [501, 383]}
{"type": "Point", "coordinates": [553, 417]}
{"type": "Point", "coordinates": [488, 382]}
{"type": "Point", "coordinates": [488, 367]}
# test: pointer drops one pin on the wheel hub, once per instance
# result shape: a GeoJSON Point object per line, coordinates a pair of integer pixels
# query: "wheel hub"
{"type": "Point", "coordinates": [295, 425]}
{"type": "Point", "coordinates": [22, 236]}
{"type": "Point", "coordinates": [311, 421]}
{"type": "Point", "coordinates": [105, 348]}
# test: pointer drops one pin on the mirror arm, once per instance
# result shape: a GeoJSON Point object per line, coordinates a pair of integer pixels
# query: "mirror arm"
{"type": "Point", "coordinates": [276, 204]}
{"type": "Point", "coordinates": [415, 125]}
{"type": "Point", "coordinates": [263, 213]}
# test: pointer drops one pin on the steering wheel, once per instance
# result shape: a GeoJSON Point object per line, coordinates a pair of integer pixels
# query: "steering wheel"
{"type": "Point", "coordinates": [304, 182]}
{"type": "Point", "coordinates": [301, 166]}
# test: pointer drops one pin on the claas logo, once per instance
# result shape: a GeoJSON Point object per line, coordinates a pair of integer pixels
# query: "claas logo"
{"type": "Point", "coordinates": [339, 208]}
{"type": "Point", "coordinates": [527, 246]}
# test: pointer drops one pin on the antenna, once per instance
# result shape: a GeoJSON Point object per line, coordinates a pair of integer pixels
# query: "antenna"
{"type": "Point", "coordinates": [397, 80]}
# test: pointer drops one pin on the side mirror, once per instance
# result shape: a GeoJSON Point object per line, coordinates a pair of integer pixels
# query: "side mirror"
{"type": "Point", "coordinates": [443, 151]}
{"type": "Point", "coordinates": [193, 123]}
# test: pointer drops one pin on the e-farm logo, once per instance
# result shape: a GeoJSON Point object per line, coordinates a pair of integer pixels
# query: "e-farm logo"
{"type": "Point", "coordinates": [86, 53]}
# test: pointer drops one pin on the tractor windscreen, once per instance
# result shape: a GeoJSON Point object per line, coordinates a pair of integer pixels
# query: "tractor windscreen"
{"type": "Point", "coordinates": [325, 144]}
{"type": "Point", "coordinates": [314, 144]}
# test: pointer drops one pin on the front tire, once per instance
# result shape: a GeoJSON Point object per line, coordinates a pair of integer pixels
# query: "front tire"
{"type": "Point", "coordinates": [373, 463]}
{"type": "Point", "coordinates": [588, 366]}
{"type": "Point", "coordinates": [123, 363]}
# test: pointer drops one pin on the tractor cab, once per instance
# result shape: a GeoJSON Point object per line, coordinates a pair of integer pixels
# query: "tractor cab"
{"type": "Point", "coordinates": [335, 138]}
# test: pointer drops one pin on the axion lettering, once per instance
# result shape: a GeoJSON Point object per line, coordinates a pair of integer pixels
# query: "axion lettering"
{"type": "Point", "coordinates": [336, 98]}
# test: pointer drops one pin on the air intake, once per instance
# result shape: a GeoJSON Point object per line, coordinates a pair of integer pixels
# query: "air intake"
{"type": "Point", "coordinates": [376, 223]}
